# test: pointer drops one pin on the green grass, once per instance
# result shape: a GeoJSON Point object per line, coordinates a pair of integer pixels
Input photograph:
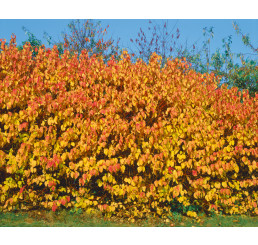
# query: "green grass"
{"type": "Point", "coordinates": [66, 218]}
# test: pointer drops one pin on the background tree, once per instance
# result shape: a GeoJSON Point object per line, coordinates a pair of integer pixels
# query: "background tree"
{"type": "Point", "coordinates": [243, 74]}
{"type": "Point", "coordinates": [86, 34]}
{"type": "Point", "coordinates": [223, 62]}
{"type": "Point", "coordinates": [163, 42]}
{"type": "Point", "coordinates": [82, 34]}
{"type": "Point", "coordinates": [34, 42]}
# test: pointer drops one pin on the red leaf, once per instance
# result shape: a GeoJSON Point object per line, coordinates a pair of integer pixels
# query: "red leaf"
{"type": "Point", "coordinates": [50, 183]}
{"type": "Point", "coordinates": [54, 207]}
{"type": "Point", "coordinates": [110, 168]}
{"type": "Point", "coordinates": [63, 201]}
{"type": "Point", "coordinates": [22, 189]}
{"type": "Point", "coordinates": [117, 166]}
{"type": "Point", "coordinates": [194, 172]}
{"type": "Point", "coordinates": [170, 170]}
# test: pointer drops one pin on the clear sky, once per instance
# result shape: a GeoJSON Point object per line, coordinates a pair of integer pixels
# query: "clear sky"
{"type": "Point", "coordinates": [191, 30]}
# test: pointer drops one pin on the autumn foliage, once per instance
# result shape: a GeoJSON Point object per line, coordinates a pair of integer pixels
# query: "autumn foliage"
{"type": "Point", "coordinates": [125, 138]}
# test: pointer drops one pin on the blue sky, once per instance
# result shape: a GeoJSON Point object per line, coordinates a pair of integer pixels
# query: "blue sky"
{"type": "Point", "coordinates": [191, 30]}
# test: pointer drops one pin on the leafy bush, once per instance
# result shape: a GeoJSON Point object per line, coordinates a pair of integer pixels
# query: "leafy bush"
{"type": "Point", "coordinates": [127, 138]}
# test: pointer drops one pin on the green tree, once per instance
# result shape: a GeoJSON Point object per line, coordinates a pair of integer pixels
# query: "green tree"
{"type": "Point", "coordinates": [223, 62]}
{"type": "Point", "coordinates": [32, 40]}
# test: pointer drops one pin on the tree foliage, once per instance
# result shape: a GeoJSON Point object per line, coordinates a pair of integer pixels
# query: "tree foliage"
{"type": "Point", "coordinates": [235, 69]}
{"type": "Point", "coordinates": [86, 34]}
{"type": "Point", "coordinates": [163, 42]}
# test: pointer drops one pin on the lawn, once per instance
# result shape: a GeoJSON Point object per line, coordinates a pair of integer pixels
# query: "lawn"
{"type": "Point", "coordinates": [65, 218]}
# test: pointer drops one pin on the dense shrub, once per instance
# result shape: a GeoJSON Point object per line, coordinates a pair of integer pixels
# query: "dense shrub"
{"type": "Point", "coordinates": [128, 139]}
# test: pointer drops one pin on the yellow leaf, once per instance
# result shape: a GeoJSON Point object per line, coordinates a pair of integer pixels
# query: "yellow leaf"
{"type": "Point", "coordinates": [224, 184]}
{"type": "Point", "coordinates": [236, 168]}
{"type": "Point", "coordinates": [99, 182]}
{"type": "Point", "coordinates": [128, 180]}
{"type": "Point", "coordinates": [110, 179]}
{"type": "Point", "coordinates": [169, 128]}
{"type": "Point", "coordinates": [100, 169]}
{"type": "Point", "coordinates": [63, 156]}
{"type": "Point", "coordinates": [170, 163]}
{"type": "Point", "coordinates": [139, 169]}
{"type": "Point", "coordinates": [137, 154]}
{"type": "Point", "coordinates": [217, 185]}
{"type": "Point", "coordinates": [181, 199]}
{"type": "Point", "coordinates": [121, 192]}
{"type": "Point", "coordinates": [159, 211]}
{"type": "Point", "coordinates": [106, 151]}
{"type": "Point", "coordinates": [191, 214]}
{"type": "Point", "coordinates": [49, 121]}
{"type": "Point", "coordinates": [98, 150]}
{"type": "Point", "coordinates": [175, 174]}
{"type": "Point", "coordinates": [95, 203]}
{"type": "Point", "coordinates": [123, 169]}
{"type": "Point", "coordinates": [153, 204]}
{"type": "Point", "coordinates": [55, 120]}
{"type": "Point", "coordinates": [33, 163]}
{"type": "Point", "coordinates": [151, 140]}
